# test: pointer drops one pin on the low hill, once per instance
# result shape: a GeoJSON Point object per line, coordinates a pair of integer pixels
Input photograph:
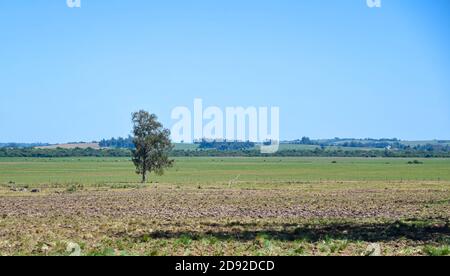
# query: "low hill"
{"type": "Point", "coordinates": [72, 146]}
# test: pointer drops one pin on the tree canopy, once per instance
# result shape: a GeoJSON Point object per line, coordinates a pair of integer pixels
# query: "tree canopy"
{"type": "Point", "coordinates": [152, 145]}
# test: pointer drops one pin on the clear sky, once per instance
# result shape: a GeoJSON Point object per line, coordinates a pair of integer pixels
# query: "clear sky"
{"type": "Point", "coordinates": [334, 67]}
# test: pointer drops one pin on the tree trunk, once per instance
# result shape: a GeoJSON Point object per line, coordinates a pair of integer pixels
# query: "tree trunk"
{"type": "Point", "coordinates": [144, 170]}
{"type": "Point", "coordinates": [144, 177]}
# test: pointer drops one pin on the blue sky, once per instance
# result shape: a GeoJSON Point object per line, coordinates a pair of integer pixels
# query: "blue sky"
{"type": "Point", "coordinates": [335, 68]}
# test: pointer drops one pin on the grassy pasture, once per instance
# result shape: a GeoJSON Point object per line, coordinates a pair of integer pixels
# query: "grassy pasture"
{"type": "Point", "coordinates": [216, 171]}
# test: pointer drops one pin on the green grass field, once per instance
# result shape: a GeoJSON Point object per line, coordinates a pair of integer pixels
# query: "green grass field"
{"type": "Point", "coordinates": [222, 170]}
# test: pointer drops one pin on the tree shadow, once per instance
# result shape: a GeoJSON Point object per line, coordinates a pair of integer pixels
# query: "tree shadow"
{"type": "Point", "coordinates": [368, 232]}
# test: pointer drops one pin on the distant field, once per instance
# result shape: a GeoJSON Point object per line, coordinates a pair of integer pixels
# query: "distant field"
{"type": "Point", "coordinates": [430, 142]}
{"type": "Point", "coordinates": [177, 146]}
{"type": "Point", "coordinates": [189, 147]}
{"type": "Point", "coordinates": [72, 146]}
{"type": "Point", "coordinates": [312, 147]}
{"type": "Point", "coordinates": [221, 170]}
{"type": "Point", "coordinates": [281, 148]}
{"type": "Point", "coordinates": [297, 147]}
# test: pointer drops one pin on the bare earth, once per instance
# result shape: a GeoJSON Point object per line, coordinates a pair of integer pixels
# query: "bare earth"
{"type": "Point", "coordinates": [337, 219]}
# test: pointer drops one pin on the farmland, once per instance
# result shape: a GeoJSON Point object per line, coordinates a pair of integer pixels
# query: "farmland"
{"type": "Point", "coordinates": [216, 171]}
{"type": "Point", "coordinates": [226, 206]}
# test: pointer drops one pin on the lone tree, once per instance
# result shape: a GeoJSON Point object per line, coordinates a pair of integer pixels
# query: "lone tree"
{"type": "Point", "coordinates": [152, 145]}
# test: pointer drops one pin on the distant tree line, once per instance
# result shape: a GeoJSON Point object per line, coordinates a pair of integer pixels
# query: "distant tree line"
{"type": "Point", "coordinates": [337, 147]}
{"type": "Point", "coordinates": [318, 152]}
{"type": "Point", "coordinates": [349, 142]}
{"type": "Point", "coordinates": [428, 148]}
{"type": "Point", "coordinates": [22, 145]}
{"type": "Point", "coordinates": [392, 143]}
{"type": "Point", "coordinates": [225, 145]}
{"type": "Point", "coordinates": [60, 152]}
{"type": "Point", "coordinates": [304, 141]}
{"type": "Point", "coordinates": [118, 143]}
{"type": "Point", "coordinates": [383, 143]}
